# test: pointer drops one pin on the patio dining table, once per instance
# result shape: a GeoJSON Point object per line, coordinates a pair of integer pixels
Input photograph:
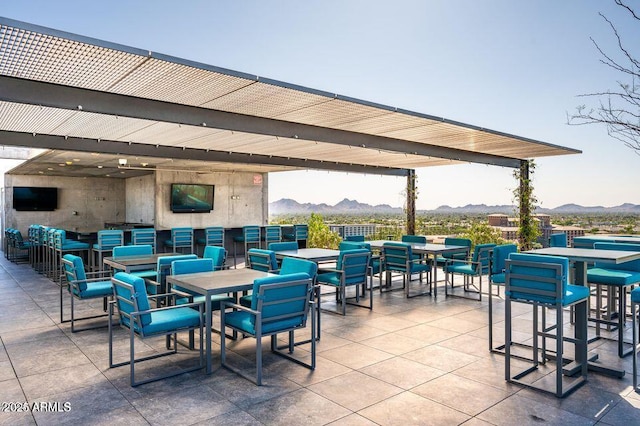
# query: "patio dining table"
{"type": "Point", "coordinates": [216, 282]}
{"type": "Point", "coordinates": [581, 257]}
{"type": "Point", "coordinates": [429, 249]}
{"type": "Point", "coordinates": [135, 263]}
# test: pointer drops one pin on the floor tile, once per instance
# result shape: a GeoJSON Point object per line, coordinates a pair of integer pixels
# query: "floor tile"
{"type": "Point", "coordinates": [356, 355]}
{"type": "Point", "coordinates": [402, 372]}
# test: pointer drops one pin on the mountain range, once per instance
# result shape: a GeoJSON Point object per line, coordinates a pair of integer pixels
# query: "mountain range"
{"type": "Point", "coordinates": [347, 206]}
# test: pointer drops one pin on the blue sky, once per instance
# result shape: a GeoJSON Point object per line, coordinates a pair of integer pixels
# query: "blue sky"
{"type": "Point", "coordinates": [512, 66]}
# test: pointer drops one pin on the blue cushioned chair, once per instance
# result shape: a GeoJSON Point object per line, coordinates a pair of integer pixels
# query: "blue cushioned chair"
{"type": "Point", "coordinates": [181, 240]}
{"type": "Point", "coordinates": [63, 246]}
{"type": "Point", "coordinates": [185, 296]}
{"type": "Point", "coordinates": [541, 281]}
{"type": "Point", "coordinates": [250, 238]}
{"type": "Point", "coordinates": [618, 278]}
{"type": "Point", "coordinates": [81, 287]}
{"type": "Point", "coordinates": [635, 331]}
{"type": "Point", "coordinates": [398, 257]}
{"type": "Point", "coordinates": [107, 240]}
{"type": "Point", "coordinates": [16, 248]}
{"type": "Point", "coordinates": [280, 305]}
{"type": "Point", "coordinates": [137, 316]}
{"type": "Point", "coordinates": [497, 277]}
{"type": "Point", "coordinates": [218, 255]}
{"type": "Point", "coordinates": [144, 236]}
{"type": "Point", "coordinates": [213, 236]}
{"type": "Point", "coordinates": [414, 239]}
{"type": "Point", "coordinates": [149, 275]}
{"type": "Point", "coordinates": [352, 270]}
{"type": "Point", "coordinates": [453, 241]}
{"type": "Point", "coordinates": [375, 264]}
{"type": "Point", "coordinates": [558, 240]}
{"type": "Point", "coordinates": [356, 238]}
{"type": "Point", "coordinates": [477, 266]}
{"type": "Point", "coordinates": [300, 235]}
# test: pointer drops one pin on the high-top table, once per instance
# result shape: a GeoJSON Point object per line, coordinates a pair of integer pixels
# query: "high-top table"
{"type": "Point", "coordinates": [429, 249]}
{"type": "Point", "coordinates": [581, 257]}
{"type": "Point", "coordinates": [317, 255]}
{"type": "Point", "coordinates": [217, 282]}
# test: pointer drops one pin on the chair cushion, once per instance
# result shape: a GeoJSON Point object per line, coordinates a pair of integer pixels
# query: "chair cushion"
{"type": "Point", "coordinates": [498, 278]}
{"type": "Point", "coordinates": [461, 268]}
{"type": "Point", "coordinates": [171, 319]}
{"type": "Point", "coordinates": [330, 278]}
{"type": "Point", "coordinates": [97, 289]}
{"type": "Point", "coordinates": [139, 292]}
{"type": "Point", "coordinates": [244, 322]}
{"type": "Point", "coordinates": [246, 301]}
{"type": "Point", "coordinates": [608, 276]}
{"type": "Point", "coordinates": [635, 295]}
{"type": "Point", "coordinates": [575, 293]}
{"type": "Point", "coordinates": [74, 245]}
{"type": "Point", "coordinates": [78, 266]}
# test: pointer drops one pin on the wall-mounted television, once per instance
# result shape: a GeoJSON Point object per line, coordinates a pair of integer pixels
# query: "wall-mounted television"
{"type": "Point", "coordinates": [191, 197]}
{"type": "Point", "coordinates": [31, 198]}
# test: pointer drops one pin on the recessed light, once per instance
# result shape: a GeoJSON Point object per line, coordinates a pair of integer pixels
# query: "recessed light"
{"type": "Point", "coordinates": [61, 164]}
{"type": "Point", "coordinates": [68, 163]}
{"type": "Point", "coordinates": [100, 167]}
{"type": "Point", "coordinates": [76, 159]}
{"type": "Point", "coordinates": [108, 175]}
{"type": "Point", "coordinates": [49, 168]}
{"type": "Point", "coordinates": [41, 172]}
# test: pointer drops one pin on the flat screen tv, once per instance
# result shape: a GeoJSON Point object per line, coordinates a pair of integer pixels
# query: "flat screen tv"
{"type": "Point", "coordinates": [191, 198]}
{"type": "Point", "coordinates": [31, 198]}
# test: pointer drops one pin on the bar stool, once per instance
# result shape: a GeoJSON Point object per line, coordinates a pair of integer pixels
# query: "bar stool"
{"type": "Point", "coordinates": [541, 281]}
{"type": "Point", "coordinates": [213, 236]}
{"type": "Point", "coordinates": [107, 240]}
{"type": "Point", "coordinates": [272, 234]}
{"type": "Point", "coordinates": [144, 237]}
{"type": "Point", "coordinates": [181, 238]}
{"type": "Point", "coordinates": [250, 236]}
{"type": "Point", "coordinates": [63, 246]}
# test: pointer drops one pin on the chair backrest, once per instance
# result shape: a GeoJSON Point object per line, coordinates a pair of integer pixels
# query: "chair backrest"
{"type": "Point", "coordinates": [482, 255]}
{"type": "Point", "coordinates": [262, 260]}
{"type": "Point", "coordinates": [287, 245]}
{"type": "Point", "coordinates": [301, 231]}
{"type": "Point", "coordinates": [454, 241]}
{"type": "Point", "coordinates": [126, 251]}
{"type": "Point", "coordinates": [353, 245]}
{"type": "Point", "coordinates": [633, 265]}
{"type": "Point", "coordinates": [251, 234]}
{"type": "Point", "coordinates": [214, 236]}
{"type": "Point", "coordinates": [163, 266]}
{"type": "Point", "coordinates": [396, 256]}
{"type": "Point", "coordinates": [110, 238]}
{"type": "Point", "coordinates": [358, 238]}
{"type": "Point", "coordinates": [182, 237]}
{"type": "Point", "coordinates": [191, 266]}
{"type": "Point", "coordinates": [291, 265]}
{"type": "Point", "coordinates": [283, 301]}
{"type": "Point", "coordinates": [59, 237]}
{"type": "Point", "coordinates": [144, 236]}
{"type": "Point", "coordinates": [51, 237]}
{"type": "Point", "coordinates": [74, 272]}
{"type": "Point", "coordinates": [415, 239]}
{"type": "Point", "coordinates": [584, 242]}
{"type": "Point", "coordinates": [558, 240]}
{"type": "Point", "coordinates": [217, 254]}
{"type": "Point", "coordinates": [130, 294]}
{"type": "Point", "coordinates": [355, 265]}
{"type": "Point", "coordinates": [500, 255]}
{"type": "Point", "coordinates": [273, 233]}
{"type": "Point", "coordinates": [536, 278]}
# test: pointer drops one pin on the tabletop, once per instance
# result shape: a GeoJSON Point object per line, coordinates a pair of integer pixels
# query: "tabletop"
{"type": "Point", "coordinates": [312, 254]}
{"type": "Point", "coordinates": [422, 248]}
{"type": "Point", "coordinates": [589, 255]}
{"type": "Point", "coordinates": [218, 282]}
{"type": "Point", "coordinates": [125, 261]}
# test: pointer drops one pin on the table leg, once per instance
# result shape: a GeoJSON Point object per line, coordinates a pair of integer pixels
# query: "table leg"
{"type": "Point", "coordinates": [208, 324]}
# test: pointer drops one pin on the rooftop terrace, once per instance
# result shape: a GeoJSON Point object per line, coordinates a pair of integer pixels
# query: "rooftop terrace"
{"type": "Point", "coordinates": [416, 361]}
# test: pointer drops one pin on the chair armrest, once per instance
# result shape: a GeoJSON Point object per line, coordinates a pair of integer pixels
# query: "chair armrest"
{"type": "Point", "coordinates": [198, 305]}
{"type": "Point", "coordinates": [339, 271]}
{"type": "Point", "coordinates": [225, 305]}
{"type": "Point", "coordinates": [181, 293]}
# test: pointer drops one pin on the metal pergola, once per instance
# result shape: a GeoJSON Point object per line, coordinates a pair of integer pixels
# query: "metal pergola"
{"type": "Point", "coordinates": [68, 92]}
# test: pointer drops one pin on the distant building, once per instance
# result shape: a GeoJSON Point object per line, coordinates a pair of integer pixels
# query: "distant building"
{"type": "Point", "coordinates": [508, 226]}
{"type": "Point", "coordinates": [356, 229]}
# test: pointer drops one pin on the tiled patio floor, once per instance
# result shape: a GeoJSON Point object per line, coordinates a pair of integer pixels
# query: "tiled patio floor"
{"type": "Point", "coordinates": [418, 361]}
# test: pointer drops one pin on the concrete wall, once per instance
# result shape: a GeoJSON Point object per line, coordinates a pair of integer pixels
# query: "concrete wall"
{"type": "Point", "coordinates": [240, 199]}
{"type": "Point", "coordinates": [96, 201]}
{"type": "Point", "coordinates": [140, 202]}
